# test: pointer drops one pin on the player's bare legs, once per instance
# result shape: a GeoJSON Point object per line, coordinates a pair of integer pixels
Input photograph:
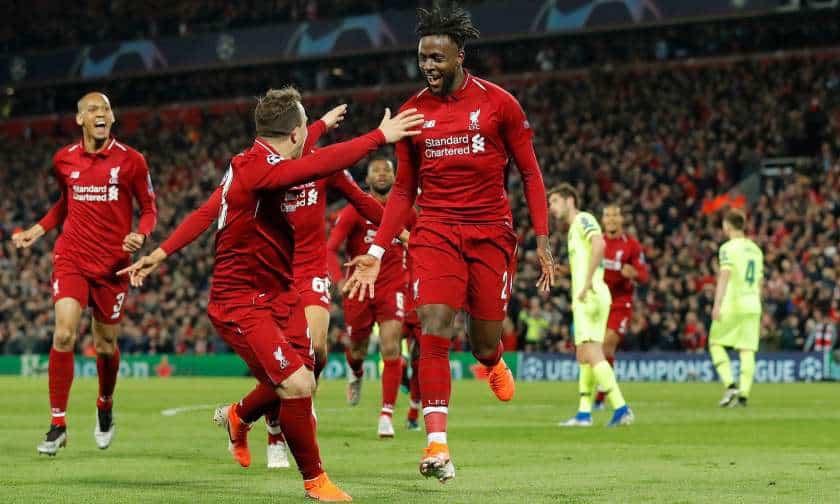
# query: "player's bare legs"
{"type": "Point", "coordinates": [68, 313]}
{"type": "Point", "coordinates": [390, 334]}
{"type": "Point", "coordinates": [610, 345]}
{"type": "Point", "coordinates": [355, 353]}
{"type": "Point", "coordinates": [485, 341]}
{"type": "Point", "coordinates": [107, 367]}
{"type": "Point", "coordinates": [436, 321]}
{"type": "Point", "coordinates": [318, 320]}
{"type": "Point", "coordinates": [594, 369]}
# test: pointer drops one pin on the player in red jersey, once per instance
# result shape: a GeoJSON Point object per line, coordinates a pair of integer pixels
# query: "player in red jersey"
{"type": "Point", "coordinates": [624, 267]}
{"type": "Point", "coordinates": [463, 246]}
{"type": "Point", "coordinates": [253, 294]}
{"type": "Point", "coordinates": [98, 177]}
{"type": "Point", "coordinates": [388, 309]}
{"type": "Point", "coordinates": [306, 206]}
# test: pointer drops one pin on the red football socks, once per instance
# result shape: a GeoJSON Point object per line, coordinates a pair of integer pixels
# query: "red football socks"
{"type": "Point", "coordinates": [493, 359]}
{"type": "Point", "coordinates": [298, 426]}
{"type": "Point", "coordinates": [414, 389]}
{"type": "Point", "coordinates": [260, 401]}
{"type": "Point", "coordinates": [60, 379]}
{"type": "Point", "coordinates": [107, 369]}
{"type": "Point", "coordinates": [391, 377]}
{"type": "Point", "coordinates": [436, 386]}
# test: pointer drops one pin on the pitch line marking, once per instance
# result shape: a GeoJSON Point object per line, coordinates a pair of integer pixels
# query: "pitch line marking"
{"type": "Point", "coordinates": [186, 409]}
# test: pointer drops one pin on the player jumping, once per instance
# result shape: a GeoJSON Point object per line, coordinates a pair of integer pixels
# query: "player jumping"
{"type": "Point", "coordinates": [463, 247]}
{"type": "Point", "coordinates": [590, 307]}
{"type": "Point", "coordinates": [98, 177]}
{"type": "Point", "coordinates": [624, 267]}
{"type": "Point", "coordinates": [253, 294]}
{"type": "Point", "coordinates": [736, 314]}
{"type": "Point", "coordinates": [389, 307]}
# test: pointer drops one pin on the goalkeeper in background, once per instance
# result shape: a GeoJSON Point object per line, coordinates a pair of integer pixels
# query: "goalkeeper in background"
{"type": "Point", "coordinates": [736, 315]}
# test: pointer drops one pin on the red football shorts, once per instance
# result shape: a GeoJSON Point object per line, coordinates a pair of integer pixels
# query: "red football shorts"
{"type": "Point", "coordinates": [411, 326]}
{"type": "Point", "coordinates": [468, 266]}
{"type": "Point", "coordinates": [256, 331]}
{"type": "Point", "coordinates": [389, 304]}
{"type": "Point", "coordinates": [314, 290]}
{"type": "Point", "coordinates": [619, 319]}
{"type": "Point", "coordinates": [105, 294]}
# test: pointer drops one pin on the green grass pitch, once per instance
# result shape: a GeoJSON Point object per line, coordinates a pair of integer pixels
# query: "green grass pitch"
{"type": "Point", "coordinates": [784, 448]}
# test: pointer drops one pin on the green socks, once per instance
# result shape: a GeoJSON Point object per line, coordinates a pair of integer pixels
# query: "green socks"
{"type": "Point", "coordinates": [747, 372]}
{"type": "Point", "coordinates": [605, 377]}
{"type": "Point", "coordinates": [585, 386]}
{"type": "Point", "coordinates": [721, 362]}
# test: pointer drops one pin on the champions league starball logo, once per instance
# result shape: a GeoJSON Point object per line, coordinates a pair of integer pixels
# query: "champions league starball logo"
{"type": "Point", "coordinates": [556, 15]}
{"type": "Point", "coordinates": [810, 369]}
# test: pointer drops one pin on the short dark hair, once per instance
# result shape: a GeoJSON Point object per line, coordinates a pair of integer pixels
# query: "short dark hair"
{"type": "Point", "coordinates": [452, 21]}
{"type": "Point", "coordinates": [379, 157]}
{"type": "Point", "coordinates": [277, 113]}
{"type": "Point", "coordinates": [566, 190]}
{"type": "Point", "coordinates": [736, 219]}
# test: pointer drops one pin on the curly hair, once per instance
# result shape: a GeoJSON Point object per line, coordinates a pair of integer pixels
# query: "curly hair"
{"type": "Point", "coordinates": [452, 21]}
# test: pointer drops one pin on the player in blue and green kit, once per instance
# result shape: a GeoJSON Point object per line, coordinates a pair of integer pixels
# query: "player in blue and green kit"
{"type": "Point", "coordinates": [736, 315]}
{"type": "Point", "coordinates": [590, 307]}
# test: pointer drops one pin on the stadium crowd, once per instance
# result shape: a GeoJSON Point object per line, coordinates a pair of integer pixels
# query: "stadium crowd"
{"type": "Point", "coordinates": [665, 144]}
{"type": "Point", "coordinates": [572, 51]}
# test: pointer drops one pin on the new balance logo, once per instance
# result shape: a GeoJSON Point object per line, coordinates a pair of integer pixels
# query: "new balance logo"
{"type": "Point", "coordinates": [429, 124]}
{"type": "Point", "coordinates": [74, 175]}
{"type": "Point", "coordinates": [477, 143]}
{"type": "Point", "coordinates": [55, 287]}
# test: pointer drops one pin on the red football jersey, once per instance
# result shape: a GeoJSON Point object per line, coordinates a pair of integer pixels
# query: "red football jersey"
{"type": "Point", "coordinates": [254, 242]}
{"type": "Point", "coordinates": [306, 207]}
{"type": "Point", "coordinates": [619, 251]}
{"type": "Point", "coordinates": [359, 233]}
{"type": "Point", "coordinates": [96, 207]}
{"type": "Point", "coordinates": [459, 161]}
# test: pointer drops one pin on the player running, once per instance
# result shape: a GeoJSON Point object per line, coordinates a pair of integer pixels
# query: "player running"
{"type": "Point", "coordinates": [463, 246]}
{"type": "Point", "coordinates": [98, 177]}
{"type": "Point", "coordinates": [388, 309]}
{"type": "Point", "coordinates": [590, 307]}
{"type": "Point", "coordinates": [736, 314]}
{"type": "Point", "coordinates": [624, 267]}
{"type": "Point", "coordinates": [253, 294]}
{"type": "Point", "coordinates": [306, 206]}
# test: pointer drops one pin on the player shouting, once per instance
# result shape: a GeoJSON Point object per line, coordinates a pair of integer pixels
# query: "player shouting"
{"type": "Point", "coordinates": [98, 177]}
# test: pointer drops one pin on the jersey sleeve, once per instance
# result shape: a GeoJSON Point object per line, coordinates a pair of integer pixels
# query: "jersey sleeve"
{"type": "Point", "coordinates": [195, 224]}
{"type": "Point", "coordinates": [314, 133]}
{"type": "Point", "coordinates": [344, 225]}
{"type": "Point", "coordinates": [58, 212]}
{"type": "Point", "coordinates": [589, 226]}
{"type": "Point", "coordinates": [402, 197]}
{"type": "Point", "coordinates": [366, 204]}
{"type": "Point", "coordinates": [725, 259]}
{"type": "Point", "coordinates": [264, 174]}
{"type": "Point", "coordinates": [144, 193]}
{"type": "Point", "coordinates": [518, 138]}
